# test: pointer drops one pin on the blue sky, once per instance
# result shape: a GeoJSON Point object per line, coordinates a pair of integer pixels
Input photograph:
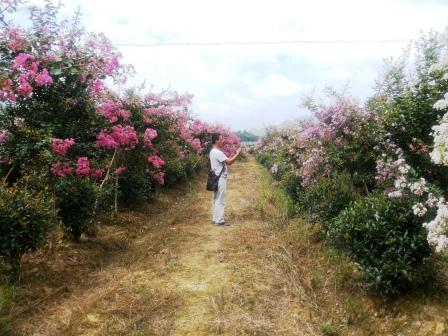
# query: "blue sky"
{"type": "Point", "coordinates": [256, 86]}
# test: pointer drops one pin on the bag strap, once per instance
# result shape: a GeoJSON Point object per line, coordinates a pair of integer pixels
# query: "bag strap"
{"type": "Point", "coordinates": [222, 170]}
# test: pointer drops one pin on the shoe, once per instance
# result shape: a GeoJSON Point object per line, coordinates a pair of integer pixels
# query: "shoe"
{"type": "Point", "coordinates": [225, 223]}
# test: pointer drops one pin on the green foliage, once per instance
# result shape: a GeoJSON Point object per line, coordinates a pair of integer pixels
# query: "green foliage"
{"type": "Point", "coordinates": [25, 219]}
{"type": "Point", "coordinates": [134, 186]}
{"type": "Point", "coordinates": [327, 329]}
{"type": "Point", "coordinates": [246, 136]}
{"type": "Point", "coordinates": [291, 183]}
{"type": "Point", "coordinates": [404, 102]}
{"type": "Point", "coordinates": [384, 238]}
{"type": "Point", "coordinates": [7, 292]}
{"type": "Point", "coordinates": [265, 159]}
{"type": "Point", "coordinates": [327, 196]}
{"type": "Point", "coordinates": [75, 199]}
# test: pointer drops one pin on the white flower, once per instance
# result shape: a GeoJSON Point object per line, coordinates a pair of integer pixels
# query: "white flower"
{"type": "Point", "coordinates": [419, 187]}
{"type": "Point", "coordinates": [400, 183]}
{"type": "Point", "coordinates": [438, 228]}
{"type": "Point", "coordinates": [432, 200]}
{"type": "Point", "coordinates": [395, 194]}
{"type": "Point", "coordinates": [441, 104]}
{"type": "Point", "coordinates": [419, 209]}
{"type": "Point", "coordinates": [404, 169]}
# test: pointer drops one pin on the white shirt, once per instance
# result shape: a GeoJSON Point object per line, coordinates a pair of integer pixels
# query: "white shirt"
{"type": "Point", "coordinates": [217, 161]}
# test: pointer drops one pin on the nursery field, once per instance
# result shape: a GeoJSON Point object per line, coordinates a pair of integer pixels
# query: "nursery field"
{"type": "Point", "coordinates": [338, 221]}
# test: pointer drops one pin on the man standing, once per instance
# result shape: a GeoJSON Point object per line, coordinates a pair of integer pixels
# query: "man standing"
{"type": "Point", "coordinates": [219, 162]}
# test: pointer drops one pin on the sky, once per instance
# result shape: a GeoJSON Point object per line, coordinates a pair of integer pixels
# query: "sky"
{"type": "Point", "coordinates": [254, 86]}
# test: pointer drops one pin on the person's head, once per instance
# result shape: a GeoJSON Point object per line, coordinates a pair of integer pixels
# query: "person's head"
{"type": "Point", "coordinates": [217, 139]}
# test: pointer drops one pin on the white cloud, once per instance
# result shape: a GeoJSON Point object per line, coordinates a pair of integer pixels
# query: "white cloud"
{"type": "Point", "coordinates": [246, 86]}
{"type": "Point", "coordinates": [275, 85]}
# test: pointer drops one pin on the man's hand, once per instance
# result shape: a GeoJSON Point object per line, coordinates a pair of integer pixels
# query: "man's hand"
{"type": "Point", "coordinates": [233, 158]}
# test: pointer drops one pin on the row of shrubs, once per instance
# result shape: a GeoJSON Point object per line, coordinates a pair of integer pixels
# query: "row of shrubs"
{"type": "Point", "coordinates": [365, 173]}
{"type": "Point", "coordinates": [72, 148]}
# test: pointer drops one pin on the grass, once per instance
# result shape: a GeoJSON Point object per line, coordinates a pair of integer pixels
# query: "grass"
{"type": "Point", "coordinates": [7, 292]}
{"type": "Point", "coordinates": [67, 280]}
{"type": "Point", "coordinates": [332, 287]}
{"type": "Point", "coordinates": [327, 329]}
{"type": "Point", "coordinates": [165, 270]}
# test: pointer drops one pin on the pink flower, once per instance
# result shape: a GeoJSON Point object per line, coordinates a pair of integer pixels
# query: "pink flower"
{"type": "Point", "coordinates": [43, 78]}
{"type": "Point", "coordinates": [7, 84]}
{"type": "Point", "coordinates": [196, 144]}
{"type": "Point", "coordinates": [23, 61]}
{"type": "Point", "coordinates": [120, 136]}
{"type": "Point", "coordinates": [112, 65]}
{"type": "Point", "coordinates": [120, 170]}
{"type": "Point", "coordinates": [60, 147]}
{"type": "Point", "coordinates": [16, 40]}
{"type": "Point", "coordinates": [159, 177]}
{"type": "Point", "coordinates": [97, 173]}
{"type": "Point", "coordinates": [125, 136]}
{"type": "Point", "coordinates": [156, 161]}
{"type": "Point", "coordinates": [61, 169]}
{"type": "Point", "coordinates": [112, 110]}
{"type": "Point", "coordinates": [24, 87]}
{"type": "Point", "coordinates": [150, 134]}
{"type": "Point", "coordinates": [4, 135]}
{"type": "Point", "coordinates": [83, 166]}
{"type": "Point", "coordinates": [97, 87]}
{"type": "Point", "coordinates": [6, 92]}
{"type": "Point", "coordinates": [106, 141]}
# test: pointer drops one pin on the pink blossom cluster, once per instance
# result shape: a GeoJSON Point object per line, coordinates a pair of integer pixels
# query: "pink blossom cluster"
{"type": "Point", "coordinates": [310, 146]}
{"type": "Point", "coordinates": [15, 39]}
{"type": "Point", "coordinates": [156, 161]}
{"type": "Point", "coordinates": [150, 134]}
{"type": "Point", "coordinates": [61, 169]}
{"type": "Point", "coordinates": [120, 170]}
{"type": "Point", "coordinates": [4, 135]}
{"type": "Point", "coordinates": [196, 145]}
{"type": "Point", "coordinates": [83, 166]}
{"type": "Point", "coordinates": [120, 136]}
{"type": "Point", "coordinates": [61, 146]}
{"type": "Point", "coordinates": [113, 110]}
{"type": "Point", "coordinates": [26, 70]}
{"type": "Point", "coordinates": [159, 177]}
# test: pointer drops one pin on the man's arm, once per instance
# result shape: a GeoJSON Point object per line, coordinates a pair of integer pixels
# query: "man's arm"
{"type": "Point", "coordinates": [232, 159]}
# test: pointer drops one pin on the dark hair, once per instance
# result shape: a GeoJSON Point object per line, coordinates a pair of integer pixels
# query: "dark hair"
{"type": "Point", "coordinates": [215, 137]}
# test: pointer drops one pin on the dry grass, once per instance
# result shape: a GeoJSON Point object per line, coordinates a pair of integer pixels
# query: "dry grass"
{"type": "Point", "coordinates": [166, 270]}
{"type": "Point", "coordinates": [332, 288]}
{"type": "Point", "coordinates": [61, 286]}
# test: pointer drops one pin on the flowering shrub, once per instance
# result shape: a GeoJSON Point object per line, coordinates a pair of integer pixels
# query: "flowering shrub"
{"type": "Point", "coordinates": [378, 156]}
{"type": "Point", "coordinates": [61, 123]}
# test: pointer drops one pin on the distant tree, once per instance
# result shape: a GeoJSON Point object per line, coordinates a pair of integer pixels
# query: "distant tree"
{"type": "Point", "coordinates": [247, 136]}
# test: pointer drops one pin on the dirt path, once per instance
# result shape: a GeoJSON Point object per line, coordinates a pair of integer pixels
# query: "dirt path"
{"type": "Point", "coordinates": [188, 278]}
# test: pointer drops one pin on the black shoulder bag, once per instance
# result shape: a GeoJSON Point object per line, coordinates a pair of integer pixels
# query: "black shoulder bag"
{"type": "Point", "coordinates": [213, 179]}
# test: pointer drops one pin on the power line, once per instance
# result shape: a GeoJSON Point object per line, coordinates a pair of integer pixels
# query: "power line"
{"type": "Point", "coordinates": [249, 43]}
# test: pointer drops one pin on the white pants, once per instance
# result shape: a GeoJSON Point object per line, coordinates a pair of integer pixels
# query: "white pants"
{"type": "Point", "coordinates": [219, 201]}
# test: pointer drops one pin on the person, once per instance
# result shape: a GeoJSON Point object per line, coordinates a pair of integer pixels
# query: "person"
{"type": "Point", "coordinates": [219, 162]}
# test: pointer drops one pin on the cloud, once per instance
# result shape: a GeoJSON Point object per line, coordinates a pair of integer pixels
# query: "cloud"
{"type": "Point", "coordinates": [275, 85]}
{"type": "Point", "coordinates": [247, 86]}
